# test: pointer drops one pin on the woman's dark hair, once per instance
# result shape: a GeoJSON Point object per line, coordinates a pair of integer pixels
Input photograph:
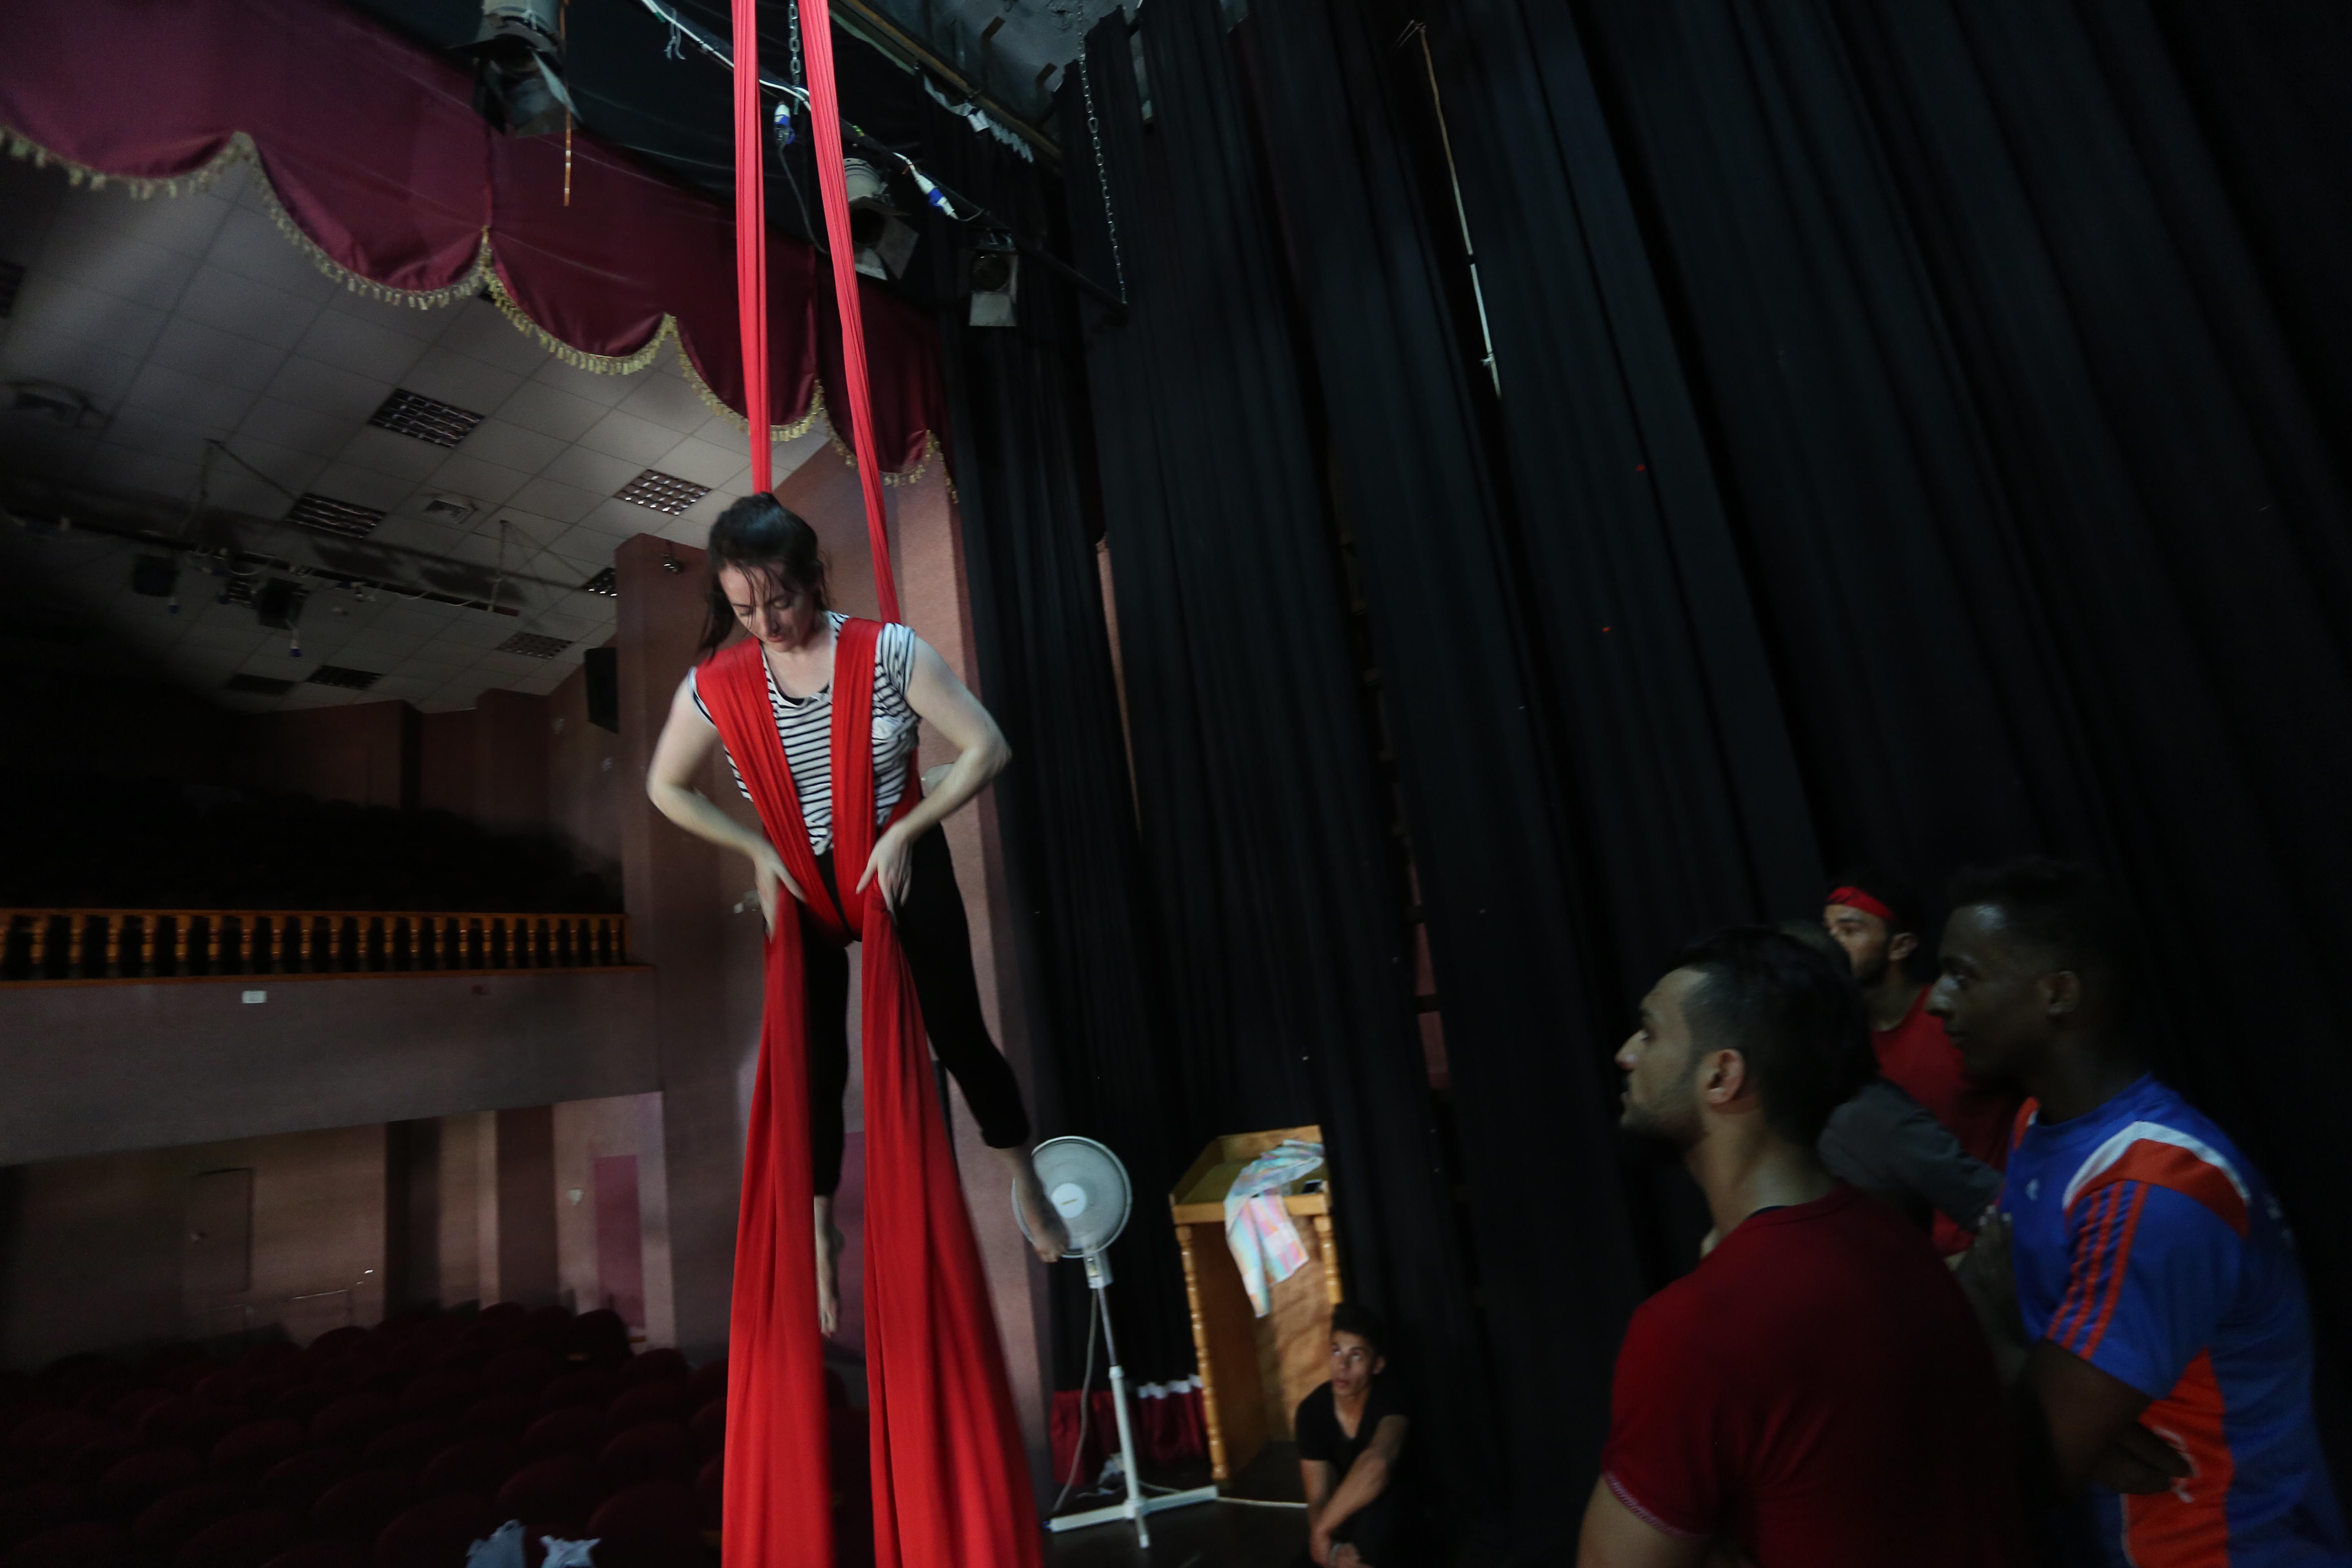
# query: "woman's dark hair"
{"type": "Point", "coordinates": [761, 536]}
{"type": "Point", "coordinates": [1351, 1317]}
{"type": "Point", "coordinates": [1793, 1013]}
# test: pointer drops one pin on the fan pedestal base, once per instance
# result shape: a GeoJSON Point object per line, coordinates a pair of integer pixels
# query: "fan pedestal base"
{"type": "Point", "coordinates": [1135, 1509]}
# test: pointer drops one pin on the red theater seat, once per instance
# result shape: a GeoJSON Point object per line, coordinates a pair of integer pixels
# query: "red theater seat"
{"type": "Point", "coordinates": [35, 1506]}
{"type": "Point", "coordinates": [357, 1507]}
{"type": "Point", "coordinates": [406, 1445]}
{"type": "Point", "coordinates": [508, 1413]}
{"type": "Point", "coordinates": [184, 1422]}
{"type": "Point", "coordinates": [656, 1366]}
{"type": "Point", "coordinates": [591, 1386]}
{"type": "Point", "coordinates": [545, 1326]}
{"type": "Point", "coordinates": [709, 1382]}
{"type": "Point", "coordinates": [354, 1418]}
{"type": "Point", "coordinates": [256, 1446]}
{"type": "Point", "coordinates": [518, 1369]}
{"type": "Point", "coordinates": [578, 1430]}
{"type": "Point", "coordinates": [655, 1525]}
{"type": "Point", "coordinates": [478, 1464]}
{"type": "Point", "coordinates": [324, 1554]}
{"type": "Point", "coordinates": [296, 1482]}
{"type": "Point", "coordinates": [442, 1393]}
{"type": "Point", "coordinates": [650, 1451]}
{"type": "Point", "coordinates": [135, 1403]}
{"type": "Point", "coordinates": [436, 1532]}
{"type": "Point", "coordinates": [171, 1519]}
{"type": "Point", "coordinates": [663, 1401]}
{"type": "Point", "coordinates": [244, 1539]}
{"type": "Point", "coordinates": [507, 1321]}
{"type": "Point", "coordinates": [708, 1430]}
{"type": "Point", "coordinates": [551, 1497]}
{"type": "Point", "coordinates": [302, 1401]}
{"type": "Point", "coordinates": [599, 1338]}
{"type": "Point", "coordinates": [711, 1492]}
{"type": "Point", "coordinates": [87, 1545]}
{"type": "Point", "coordinates": [131, 1483]}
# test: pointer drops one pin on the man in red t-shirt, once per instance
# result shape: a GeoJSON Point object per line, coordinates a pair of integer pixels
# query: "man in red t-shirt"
{"type": "Point", "coordinates": [1816, 1393]}
{"type": "Point", "coordinates": [1876, 920]}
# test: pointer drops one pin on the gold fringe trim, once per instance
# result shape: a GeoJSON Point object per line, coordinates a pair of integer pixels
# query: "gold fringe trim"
{"type": "Point", "coordinates": [913, 476]}
{"type": "Point", "coordinates": [239, 147]}
{"type": "Point", "coordinates": [603, 364]}
{"type": "Point", "coordinates": [792, 432]}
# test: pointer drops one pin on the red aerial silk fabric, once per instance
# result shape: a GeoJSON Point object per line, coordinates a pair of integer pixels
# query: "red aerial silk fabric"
{"type": "Point", "coordinates": [824, 119]}
{"type": "Point", "coordinates": [950, 1484]}
{"type": "Point", "coordinates": [751, 244]}
{"type": "Point", "coordinates": [373, 145]}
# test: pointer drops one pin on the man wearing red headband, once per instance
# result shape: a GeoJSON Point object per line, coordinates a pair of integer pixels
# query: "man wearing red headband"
{"type": "Point", "coordinates": [1873, 916]}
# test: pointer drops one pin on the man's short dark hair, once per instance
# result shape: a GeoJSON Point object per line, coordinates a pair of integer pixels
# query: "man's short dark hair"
{"type": "Point", "coordinates": [1792, 1013]}
{"type": "Point", "coordinates": [1353, 1317]}
{"type": "Point", "coordinates": [2062, 908]}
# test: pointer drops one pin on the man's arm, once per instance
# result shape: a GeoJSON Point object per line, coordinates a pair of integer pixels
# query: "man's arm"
{"type": "Point", "coordinates": [2092, 1421]}
{"type": "Point", "coordinates": [1315, 1479]}
{"type": "Point", "coordinates": [1614, 1536]}
{"type": "Point", "coordinates": [1365, 1479]}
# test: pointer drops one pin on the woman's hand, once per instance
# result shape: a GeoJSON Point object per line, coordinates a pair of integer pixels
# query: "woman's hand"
{"type": "Point", "coordinates": [769, 875]}
{"type": "Point", "coordinates": [889, 865]}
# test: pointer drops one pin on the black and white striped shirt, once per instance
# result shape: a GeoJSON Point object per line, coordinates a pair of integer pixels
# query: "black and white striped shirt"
{"type": "Point", "coordinates": [806, 725]}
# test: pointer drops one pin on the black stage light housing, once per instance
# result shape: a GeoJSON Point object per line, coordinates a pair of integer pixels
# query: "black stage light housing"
{"type": "Point", "coordinates": [519, 67]}
{"type": "Point", "coordinates": [995, 280]}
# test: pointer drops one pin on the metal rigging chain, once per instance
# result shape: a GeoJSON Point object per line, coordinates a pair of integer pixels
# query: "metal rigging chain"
{"type": "Point", "coordinates": [797, 42]}
{"type": "Point", "coordinates": [1102, 177]}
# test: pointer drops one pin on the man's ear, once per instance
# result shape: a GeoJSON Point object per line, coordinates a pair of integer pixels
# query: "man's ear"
{"type": "Point", "coordinates": [2062, 993]}
{"type": "Point", "coordinates": [1905, 944]}
{"type": "Point", "coordinates": [1723, 1078]}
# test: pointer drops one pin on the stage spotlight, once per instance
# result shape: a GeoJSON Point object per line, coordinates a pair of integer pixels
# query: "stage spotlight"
{"type": "Point", "coordinates": [995, 279]}
{"type": "Point", "coordinates": [883, 242]}
{"type": "Point", "coordinates": [519, 67]}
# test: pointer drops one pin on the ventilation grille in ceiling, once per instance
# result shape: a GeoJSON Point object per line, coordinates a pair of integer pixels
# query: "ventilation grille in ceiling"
{"type": "Point", "coordinates": [331, 516]}
{"type": "Point", "coordinates": [662, 492]}
{"type": "Point", "coordinates": [12, 278]}
{"type": "Point", "coordinates": [534, 644]}
{"type": "Point", "coordinates": [338, 675]}
{"type": "Point", "coordinates": [236, 591]}
{"type": "Point", "coordinates": [607, 583]}
{"type": "Point", "coordinates": [426, 418]}
{"type": "Point", "coordinates": [260, 685]}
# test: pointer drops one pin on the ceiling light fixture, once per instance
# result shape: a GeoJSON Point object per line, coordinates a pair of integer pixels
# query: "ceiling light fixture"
{"type": "Point", "coordinates": [407, 413]}
{"type": "Point", "coordinates": [329, 515]}
{"type": "Point", "coordinates": [662, 492]}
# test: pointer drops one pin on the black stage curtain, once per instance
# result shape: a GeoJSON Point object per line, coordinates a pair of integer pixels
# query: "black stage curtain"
{"type": "Point", "coordinates": [1919, 437]}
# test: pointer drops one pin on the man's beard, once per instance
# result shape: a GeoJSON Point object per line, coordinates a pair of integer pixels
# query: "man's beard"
{"type": "Point", "coordinates": [1659, 1135]}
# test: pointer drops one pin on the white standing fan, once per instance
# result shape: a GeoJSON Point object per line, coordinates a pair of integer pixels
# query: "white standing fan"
{"type": "Point", "coordinates": [1087, 1187]}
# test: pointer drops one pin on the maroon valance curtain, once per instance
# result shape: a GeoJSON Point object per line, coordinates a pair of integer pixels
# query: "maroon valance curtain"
{"type": "Point", "coordinates": [380, 168]}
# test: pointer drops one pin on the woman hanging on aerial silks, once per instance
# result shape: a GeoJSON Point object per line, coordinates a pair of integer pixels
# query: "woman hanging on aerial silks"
{"type": "Point", "coordinates": [817, 713]}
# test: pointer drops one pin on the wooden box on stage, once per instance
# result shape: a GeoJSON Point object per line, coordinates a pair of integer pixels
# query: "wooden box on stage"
{"type": "Point", "coordinates": [1254, 1370]}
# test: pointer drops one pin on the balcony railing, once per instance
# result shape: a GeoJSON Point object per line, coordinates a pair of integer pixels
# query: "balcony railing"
{"type": "Point", "coordinates": [54, 946]}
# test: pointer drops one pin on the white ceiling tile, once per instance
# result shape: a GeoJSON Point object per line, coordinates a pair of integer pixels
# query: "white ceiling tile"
{"type": "Point", "coordinates": [30, 352]}
{"type": "Point", "coordinates": [389, 452]}
{"type": "Point", "coordinates": [666, 400]}
{"type": "Point", "coordinates": [461, 379]}
{"type": "Point", "coordinates": [199, 350]}
{"type": "Point", "coordinates": [362, 347]}
{"type": "Point", "coordinates": [365, 487]}
{"type": "Point", "coordinates": [561, 502]}
{"type": "Point", "coordinates": [112, 262]}
{"type": "Point", "coordinates": [486, 484]}
{"type": "Point", "coordinates": [630, 438]}
{"type": "Point", "coordinates": [550, 411]}
{"type": "Point", "coordinates": [186, 223]}
{"type": "Point", "coordinates": [594, 472]}
{"type": "Point", "coordinates": [294, 426]}
{"type": "Point", "coordinates": [529, 530]}
{"type": "Point", "coordinates": [199, 401]}
{"type": "Point", "coordinates": [291, 467]}
{"type": "Point", "coordinates": [414, 533]}
{"type": "Point", "coordinates": [481, 330]}
{"type": "Point", "coordinates": [38, 448]}
{"type": "Point", "coordinates": [64, 309]}
{"type": "Point", "coordinates": [623, 520]}
{"type": "Point", "coordinates": [239, 305]}
{"type": "Point", "coordinates": [425, 326]}
{"type": "Point", "coordinates": [152, 475]}
{"type": "Point", "coordinates": [723, 429]}
{"type": "Point", "coordinates": [239, 491]}
{"type": "Point", "coordinates": [329, 389]}
{"type": "Point", "coordinates": [685, 531]}
{"type": "Point", "coordinates": [142, 428]}
{"type": "Point", "coordinates": [702, 462]}
{"type": "Point", "coordinates": [602, 390]}
{"type": "Point", "coordinates": [253, 246]}
{"type": "Point", "coordinates": [510, 446]}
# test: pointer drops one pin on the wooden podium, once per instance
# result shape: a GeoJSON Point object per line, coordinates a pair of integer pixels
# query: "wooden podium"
{"type": "Point", "coordinates": [1254, 1370]}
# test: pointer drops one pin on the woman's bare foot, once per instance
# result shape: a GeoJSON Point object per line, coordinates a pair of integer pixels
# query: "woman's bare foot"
{"type": "Point", "coordinates": [829, 1243]}
{"type": "Point", "coordinates": [1048, 1233]}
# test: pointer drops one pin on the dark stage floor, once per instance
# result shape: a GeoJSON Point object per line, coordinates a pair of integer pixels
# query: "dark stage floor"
{"type": "Point", "coordinates": [1207, 1535]}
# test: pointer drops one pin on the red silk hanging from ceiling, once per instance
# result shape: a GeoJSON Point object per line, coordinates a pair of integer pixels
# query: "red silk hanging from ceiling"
{"type": "Point", "coordinates": [380, 166]}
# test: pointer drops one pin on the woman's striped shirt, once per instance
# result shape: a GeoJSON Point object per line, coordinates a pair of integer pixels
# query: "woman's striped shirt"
{"type": "Point", "coordinates": [805, 723]}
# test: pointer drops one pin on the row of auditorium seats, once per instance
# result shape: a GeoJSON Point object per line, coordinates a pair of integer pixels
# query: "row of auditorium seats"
{"type": "Point", "coordinates": [150, 844]}
{"type": "Point", "coordinates": [395, 1447]}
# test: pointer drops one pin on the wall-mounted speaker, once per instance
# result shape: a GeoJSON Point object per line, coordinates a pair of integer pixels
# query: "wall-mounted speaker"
{"type": "Point", "coordinates": [602, 668]}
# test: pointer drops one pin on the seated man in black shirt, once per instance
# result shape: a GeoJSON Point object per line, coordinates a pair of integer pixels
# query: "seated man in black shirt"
{"type": "Point", "coordinates": [1351, 1433]}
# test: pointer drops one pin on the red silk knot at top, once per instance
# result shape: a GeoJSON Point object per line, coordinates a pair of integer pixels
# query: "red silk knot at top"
{"type": "Point", "coordinates": [951, 1483]}
{"type": "Point", "coordinates": [1856, 899]}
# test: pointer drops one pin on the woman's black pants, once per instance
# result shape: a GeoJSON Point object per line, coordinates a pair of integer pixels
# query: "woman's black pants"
{"type": "Point", "coordinates": [937, 941]}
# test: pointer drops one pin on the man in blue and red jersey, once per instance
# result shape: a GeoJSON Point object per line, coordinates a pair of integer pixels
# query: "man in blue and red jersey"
{"type": "Point", "coordinates": [1815, 1392]}
{"type": "Point", "coordinates": [1873, 916]}
{"type": "Point", "coordinates": [2165, 1337]}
